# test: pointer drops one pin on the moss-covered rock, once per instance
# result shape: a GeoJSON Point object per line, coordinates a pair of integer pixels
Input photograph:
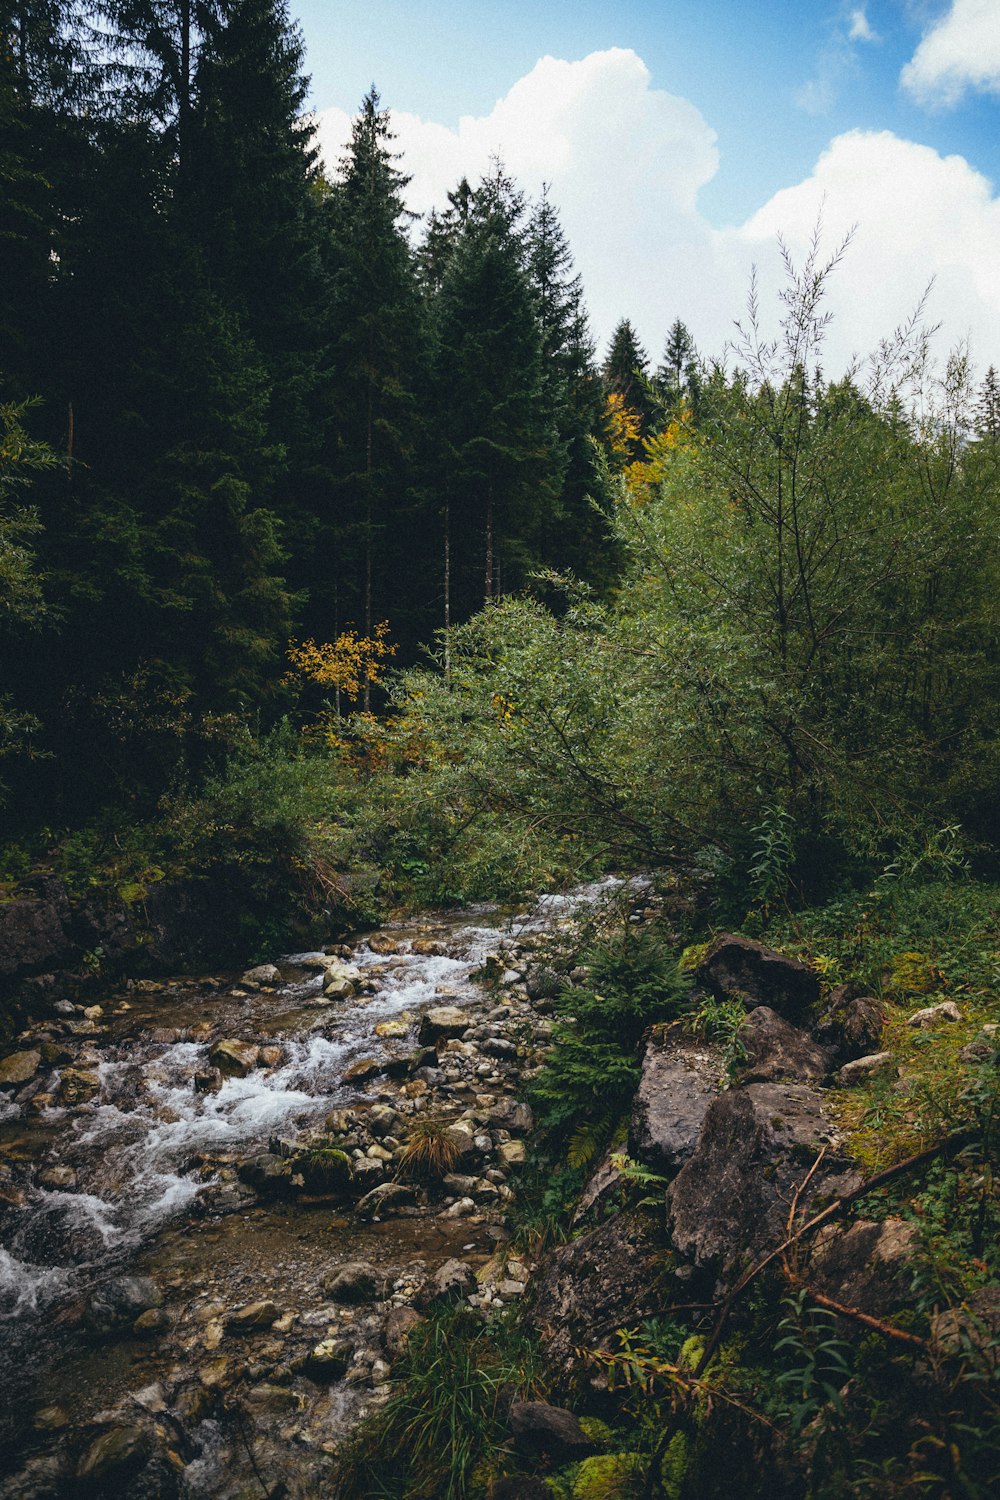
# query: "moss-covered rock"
{"type": "Point", "coordinates": [610, 1476]}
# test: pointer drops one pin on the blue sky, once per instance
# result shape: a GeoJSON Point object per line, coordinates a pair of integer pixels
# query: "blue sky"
{"type": "Point", "coordinates": [777, 106]}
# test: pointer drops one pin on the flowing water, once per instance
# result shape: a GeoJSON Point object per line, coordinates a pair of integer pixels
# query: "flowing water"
{"type": "Point", "coordinates": [115, 1162]}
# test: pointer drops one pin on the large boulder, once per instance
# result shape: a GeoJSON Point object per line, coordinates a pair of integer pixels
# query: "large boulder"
{"type": "Point", "coordinates": [738, 968]}
{"type": "Point", "coordinates": [773, 1050]}
{"type": "Point", "coordinates": [538, 1427]}
{"type": "Point", "coordinates": [440, 1023]}
{"type": "Point", "coordinates": [865, 1264]}
{"type": "Point", "coordinates": [34, 928]}
{"type": "Point", "coordinates": [680, 1078]}
{"type": "Point", "coordinates": [355, 1281]}
{"type": "Point", "coordinates": [233, 1058]}
{"type": "Point", "coordinates": [730, 1202]}
{"type": "Point", "coordinates": [603, 1280]}
{"type": "Point", "coordinates": [851, 1024]}
{"type": "Point", "coordinates": [18, 1068]}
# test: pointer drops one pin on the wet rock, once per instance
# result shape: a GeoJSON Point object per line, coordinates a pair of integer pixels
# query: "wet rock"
{"type": "Point", "coordinates": [254, 1317]}
{"type": "Point", "coordinates": [262, 974]}
{"type": "Point", "coordinates": [116, 1305]}
{"type": "Point", "coordinates": [382, 1120]}
{"type": "Point", "coordinates": [428, 948]}
{"type": "Point", "coordinates": [63, 1179]}
{"type": "Point", "coordinates": [269, 1175]}
{"type": "Point", "coordinates": [233, 1058]}
{"type": "Point", "coordinates": [605, 1279]}
{"type": "Point", "coordinates": [852, 1024]}
{"type": "Point", "coordinates": [356, 1281]}
{"type": "Point", "coordinates": [730, 1200]}
{"type": "Point", "coordinates": [739, 968]}
{"type": "Point", "coordinates": [271, 1056]}
{"type": "Point", "coordinates": [679, 1081]}
{"type": "Point", "coordinates": [512, 1115]}
{"type": "Point", "coordinates": [397, 1328]}
{"type": "Point", "coordinates": [151, 1322]}
{"type": "Point", "coordinates": [323, 1170]}
{"type": "Point", "coordinates": [18, 1068]}
{"type": "Point", "coordinates": [271, 1400]}
{"type": "Point", "coordinates": [114, 1457]}
{"type": "Point", "coordinates": [385, 1200]}
{"type": "Point", "coordinates": [389, 1029]}
{"type": "Point", "coordinates": [40, 1479]}
{"type": "Point", "coordinates": [329, 1360]}
{"type": "Point", "coordinates": [863, 1068]}
{"type": "Point", "coordinates": [207, 1081]}
{"type": "Point", "coordinates": [440, 1023]}
{"type": "Point", "coordinates": [538, 1427]}
{"type": "Point", "coordinates": [50, 1419]}
{"type": "Point", "coordinates": [78, 1086]}
{"type": "Point", "coordinates": [776, 1050]}
{"type": "Point", "coordinates": [866, 1264]}
{"type": "Point", "coordinates": [364, 1069]}
{"type": "Point", "coordinates": [932, 1014]}
{"type": "Point", "coordinates": [340, 980]}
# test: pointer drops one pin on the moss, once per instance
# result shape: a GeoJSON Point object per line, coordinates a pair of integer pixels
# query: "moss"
{"type": "Point", "coordinates": [674, 1466]}
{"type": "Point", "coordinates": [610, 1476]}
{"type": "Point", "coordinates": [598, 1432]}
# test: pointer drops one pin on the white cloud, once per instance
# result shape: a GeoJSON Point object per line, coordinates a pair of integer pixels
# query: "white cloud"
{"type": "Point", "coordinates": [859, 27]}
{"type": "Point", "coordinates": [962, 50]}
{"type": "Point", "coordinates": [626, 162]}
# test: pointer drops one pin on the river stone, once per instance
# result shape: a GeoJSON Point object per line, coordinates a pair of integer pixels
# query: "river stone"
{"type": "Point", "coordinates": [233, 1058]}
{"type": "Point", "coordinates": [40, 1479]}
{"type": "Point", "coordinates": [355, 1281]}
{"type": "Point", "coordinates": [605, 1279]}
{"type": "Point", "coordinates": [384, 1200]}
{"type": "Point", "coordinates": [428, 948]}
{"type": "Point", "coordinates": [442, 1022]}
{"type": "Point", "coordinates": [774, 1050]}
{"type": "Point", "coordinates": [114, 1456]}
{"type": "Point", "coordinates": [738, 968]}
{"type": "Point", "coordinates": [272, 1400]}
{"type": "Point", "coordinates": [513, 1153]}
{"type": "Point", "coordinates": [397, 1328]}
{"type": "Point", "coordinates": [730, 1201]}
{"type": "Point", "coordinates": [268, 1174]}
{"type": "Point", "coordinates": [63, 1179]}
{"type": "Point", "coordinates": [18, 1068]}
{"type": "Point", "coordinates": [262, 974]}
{"type": "Point", "coordinates": [512, 1115]}
{"type": "Point", "coordinates": [365, 1068]}
{"type": "Point", "coordinates": [117, 1304]}
{"type": "Point", "coordinates": [78, 1086]}
{"type": "Point", "coordinates": [329, 1359]}
{"type": "Point", "coordinates": [253, 1317]}
{"type": "Point", "coordinates": [389, 1029]}
{"type": "Point", "coordinates": [538, 1427]}
{"type": "Point", "coordinates": [153, 1321]}
{"type": "Point", "coordinates": [382, 1119]}
{"type": "Point", "coordinates": [863, 1068]}
{"type": "Point", "coordinates": [679, 1081]}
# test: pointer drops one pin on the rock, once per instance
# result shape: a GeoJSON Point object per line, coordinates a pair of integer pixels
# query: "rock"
{"type": "Point", "coordinates": [41, 1479]}
{"type": "Point", "coordinates": [463, 1208]}
{"type": "Point", "coordinates": [268, 1174]}
{"type": "Point", "coordinates": [63, 1179]}
{"type": "Point", "coordinates": [233, 1058]}
{"type": "Point", "coordinates": [852, 1025]}
{"type": "Point", "coordinates": [253, 1317]}
{"type": "Point", "coordinates": [775, 1050]}
{"type": "Point", "coordinates": [268, 1399]}
{"type": "Point", "coordinates": [115, 1456]}
{"type": "Point", "coordinates": [866, 1264]}
{"type": "Point", "coordinates": [512, 1115]}
{"type": "Point", "coordinates": [609, 1476]}
{"type": "Point", "coordinates": [464, 1139]}
{"type": "Point", "coordinates": [271, 1056]}
{"type": "Point", "coordinates": [329, 1359]}
{"type": "Point", "coordinates": [385, 1200]}
{"type": "Point", "coordinates": [428, 948]}
{"type": "Point", "coordinates": [78, 1086]}
{"type": "Point", "coordinates": [356, 1281]}
{"type": "Point", "coordinates": [397, 1328]}
{"type": "Point", "coordinates": [538, 1427]}
{"type": "Point", "coordinates": [453, 1279]}
{"type": "Point", "coordinates": [50, 1419]}
{"type": "Point", "coordinates": [543, 983]}
{"type": "Point", "coordinates": [18, 1068]}
{"type": "Point", "coordinates": [739, 968]}
{"type": "Point", "coordinates": [513, 1153]}
{"type": "Point", "coordinates": [605, 1279]}
{"type": "Point", "coordinates": [729, 1203]}
{"type": "Point", "coordinates": [972, 1330]}
{"type": "Point", "coordinates": [983, 1045]}
{"type": "Point", "coordinates": [323, 1170]}
{"type": "Point", "coordinates": [262, 974]}
{"type": "Point", "coordinates": [931, 1014]}
{"type": "Point", "coordinates": [441, 1022]}
{"type": "Point", "coordinates": [364, 1069]}
{"type": "Point", "coordinates": [207, 1081]}
{"type": "Point", "coordinates": [865, 1067]}
{"type": "Point", "coordinates": [153, 1321]}
{"type": "Point", "coordinates": [382, 1120]}
{"type": "Point", "coordinates": [389, 1029]}
{"type": "Point", "coordinates": [382, 943]}
{"type": "Point", "coordinates": [34, 929]}
{"type": "Point", "coordinates": [340, 981]}
{"type": "Point", "coordinates": [115, 1306]}
{"type": "Point", "coordinates": [498, 1046]}
{"type": "Point", "coordinates": [679, 1081]}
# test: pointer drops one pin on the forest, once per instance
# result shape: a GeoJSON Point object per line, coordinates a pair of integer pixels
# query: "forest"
{"type": "Point", "coordinates": [340, 579]}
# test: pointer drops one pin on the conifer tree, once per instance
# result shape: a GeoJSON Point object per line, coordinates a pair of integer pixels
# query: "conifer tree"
{"type": "Point", "coordinates": [626, 376]}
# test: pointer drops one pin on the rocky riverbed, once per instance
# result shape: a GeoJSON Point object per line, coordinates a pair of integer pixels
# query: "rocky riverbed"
{"type": "Point", "coordinates": [214, 1235]}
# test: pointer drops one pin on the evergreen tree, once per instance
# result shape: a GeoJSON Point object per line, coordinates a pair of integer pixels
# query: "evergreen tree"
{"type": "Point", "coordinates": [678, 375]}
{"type": "Point", "coordinates": [488, 379]}
{"type": "Point", "coordinates": [377, 366]}
{"type": "Point", "coordinates": [626, 377]}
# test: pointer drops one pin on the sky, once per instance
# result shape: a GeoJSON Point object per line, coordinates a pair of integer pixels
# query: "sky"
{"type": "Point", "coordinates": [680, 141]}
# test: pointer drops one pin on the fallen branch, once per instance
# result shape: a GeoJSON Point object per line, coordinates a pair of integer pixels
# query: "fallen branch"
{"type": "Point", "coordinates": [844, 1311]}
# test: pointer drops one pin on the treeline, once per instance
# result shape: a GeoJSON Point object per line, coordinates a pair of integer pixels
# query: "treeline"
{"type": "Point", "coordinates": [263, 403]}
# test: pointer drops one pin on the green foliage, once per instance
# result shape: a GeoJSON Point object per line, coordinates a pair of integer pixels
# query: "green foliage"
{"type": "Point", "coordinates": [609, 1476]}
{"type": "Point", "coordinates": [447, 1417]}
{"type": "Point", "coordinates": [721, 1021]}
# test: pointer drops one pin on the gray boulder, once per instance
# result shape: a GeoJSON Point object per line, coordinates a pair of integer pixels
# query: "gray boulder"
{"type": "Point", "coordinates": [538, 1427]}
{"type": "Point", "coordinates": [680, 1078]}
{"type": "Point", "coordinates": [356, 1281]}
{"type": "Point", "coordinates": [730, 1201]}
{"type": "Point", "coordinates": [776, 1050]}
{"type": "Point", "coordinates": [851, 1024]}
{"type": "Point", "coordinates": [738, 968]}
{"type": "Point", "coordinates": [440, 1023]}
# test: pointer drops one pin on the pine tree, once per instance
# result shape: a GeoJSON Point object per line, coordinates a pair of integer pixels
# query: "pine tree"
{"type": "Point", "coordinates": [678, 375]}
{"type": "Point", "coordinates": [378, 358]}
{"type": "Point", "coordinates": [626, 376]}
